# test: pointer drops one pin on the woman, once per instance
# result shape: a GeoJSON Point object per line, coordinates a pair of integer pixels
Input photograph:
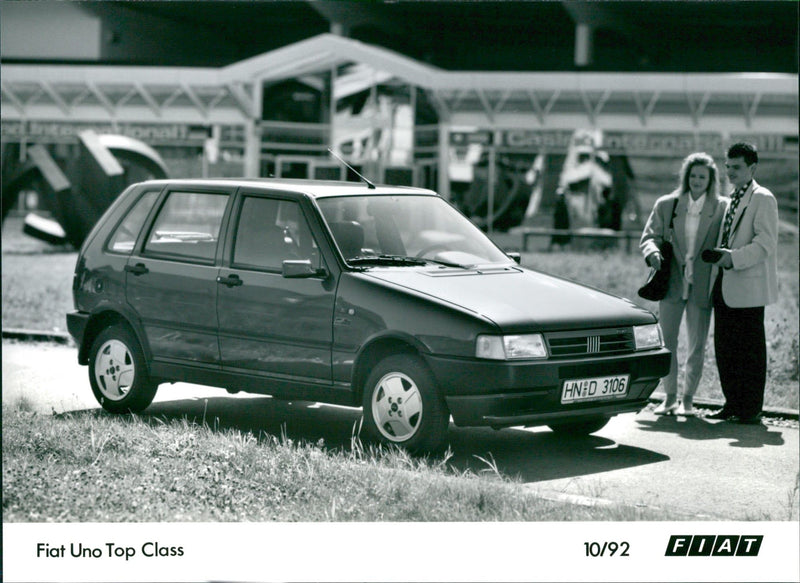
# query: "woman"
{"type": "Point", "coordinates": [696, 210]}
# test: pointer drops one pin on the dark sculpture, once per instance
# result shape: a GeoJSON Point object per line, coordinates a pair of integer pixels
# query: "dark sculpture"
{"type": "Point", "coordinates": [77, 194]}
{"type": "Point", "coordinates": [585, 188]}
{"type": "Point", "coordinates": [515, 185]}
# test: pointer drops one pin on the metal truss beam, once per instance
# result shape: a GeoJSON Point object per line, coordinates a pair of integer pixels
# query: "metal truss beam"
{"type": "Point", "coordinates": [148, 99]}
{"type": "Point", "coordinates": [11, 96]}
{"type": "Point", "coordinates": [231, 93]}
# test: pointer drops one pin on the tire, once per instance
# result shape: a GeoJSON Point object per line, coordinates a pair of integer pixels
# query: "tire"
{"type": "Point", "coordinates": [403, 407]}
{"type": "Point", "coordinates": [118, 372]}
{"type": "Point", "coordinates": [580, 428]}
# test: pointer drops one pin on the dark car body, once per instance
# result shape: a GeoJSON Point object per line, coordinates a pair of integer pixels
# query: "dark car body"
{"type": "Point", "coordinates": [316, 323]}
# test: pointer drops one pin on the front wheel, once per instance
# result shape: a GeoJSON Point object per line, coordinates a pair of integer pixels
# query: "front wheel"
{"type": "Point", "coordinates": [403, 407]}
{"type": "Point", "coordinates": [118, 373]}
{"type": "Point", "coordinates": [580, 428]}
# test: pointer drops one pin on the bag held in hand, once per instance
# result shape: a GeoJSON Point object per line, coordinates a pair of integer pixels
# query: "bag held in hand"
{"type": "Point", "coordinates": [655, 288]}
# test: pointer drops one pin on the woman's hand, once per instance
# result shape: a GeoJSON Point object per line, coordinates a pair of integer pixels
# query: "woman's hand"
{"type": "Point", "coordinates": [654, 260]}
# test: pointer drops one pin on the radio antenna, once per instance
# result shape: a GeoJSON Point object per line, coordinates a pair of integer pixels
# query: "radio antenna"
{"type": "Point", "coordinates": [353, 170]}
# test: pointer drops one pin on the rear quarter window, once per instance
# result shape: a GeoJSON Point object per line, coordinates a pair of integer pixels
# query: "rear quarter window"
{"type": "Point", "coordinates": [123, 238]}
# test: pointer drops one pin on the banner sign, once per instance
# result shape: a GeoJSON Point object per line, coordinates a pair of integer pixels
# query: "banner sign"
{"type": "Point", "coordinates": [631, 143]}
{"type": "Point", "coordinates": [151, 133]}
{"type": "Point", "coordinates": [482, 137]}
{"type": "Point", "coordinates": [768, 143]}
{"type": "Point", "coordinates": [662, 143]}
{"type": "Point", "coordinates": [617, 142]}
{"type": "Point", "coordinates": [551, 140]}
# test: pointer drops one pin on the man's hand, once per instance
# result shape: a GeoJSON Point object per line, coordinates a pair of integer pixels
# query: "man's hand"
{"type": "Point", "coordinates": [726, 261]}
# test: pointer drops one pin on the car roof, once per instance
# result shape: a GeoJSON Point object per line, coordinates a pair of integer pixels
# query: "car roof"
{"type": "Point", "coordinates": [311, 188]}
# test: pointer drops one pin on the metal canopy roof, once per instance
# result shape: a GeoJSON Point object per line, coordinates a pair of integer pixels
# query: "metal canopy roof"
{"type": "Point", "coordinates": [508, 35]}
{"type": "Point", "coordinates": [228, 94]}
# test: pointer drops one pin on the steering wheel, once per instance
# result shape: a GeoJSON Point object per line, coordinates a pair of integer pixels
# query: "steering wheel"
{"type": "Point", "coordinates": [429, 248]}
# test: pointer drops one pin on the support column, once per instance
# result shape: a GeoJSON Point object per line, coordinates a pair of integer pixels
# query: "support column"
{"type": "Point", "coordinates": [252, 139]}
{"type": "Point", "coordinates": [584, 45]}
{"type": "Point", "coordinates": [252, 150]}
{"type": "Point", "coordinates": [444, 161]}
{"type": "Point", "coordinates": [331, 120]}
{"type": "Point", "coordinates": [492, 179]}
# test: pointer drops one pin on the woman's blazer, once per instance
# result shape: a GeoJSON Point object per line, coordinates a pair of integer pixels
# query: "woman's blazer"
{"type": "Point", "coordinates": [707, 234]}
{"type": "Point", "coordinates": [753, 280]}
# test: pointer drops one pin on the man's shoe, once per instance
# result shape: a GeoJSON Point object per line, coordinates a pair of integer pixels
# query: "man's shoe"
{"type": "Point", "coordinates": [752, 420]}
{"type": "Point", "coordinates": [722, 414]}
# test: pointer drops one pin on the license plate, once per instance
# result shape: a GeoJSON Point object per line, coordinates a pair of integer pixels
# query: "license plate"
{"type": "Point", "coordinates": [594, 389]}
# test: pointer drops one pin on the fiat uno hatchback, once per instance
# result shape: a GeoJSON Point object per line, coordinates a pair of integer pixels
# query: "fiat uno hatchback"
{"type": "Point", "coordinates": [381, 297]}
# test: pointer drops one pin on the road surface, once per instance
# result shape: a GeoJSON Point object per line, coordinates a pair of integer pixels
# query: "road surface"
{"type": "Point", "coordinates": [696, 468]}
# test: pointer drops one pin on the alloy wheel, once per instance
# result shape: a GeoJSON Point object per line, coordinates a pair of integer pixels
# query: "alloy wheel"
{"type": "Point", "coordinates": [114, 370]}
{"type": "Point", "coordinates": [397, 407]}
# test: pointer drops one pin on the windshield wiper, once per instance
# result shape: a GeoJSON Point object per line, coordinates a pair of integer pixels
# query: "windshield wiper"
{"type": "Point", "coordinates": [386, 260]}
{"type": "Point", "coordinates": [400, 260]}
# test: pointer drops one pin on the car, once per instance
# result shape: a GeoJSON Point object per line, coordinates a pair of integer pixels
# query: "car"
{"type": "Point", "coordinates": [382, 297]}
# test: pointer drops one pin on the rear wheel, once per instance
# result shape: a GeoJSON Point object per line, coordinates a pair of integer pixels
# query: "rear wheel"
{"type": "Point", "coordinates": [584, 427]}
{"type": "Point", "coordinates": [118, 373]}
{"type": "Point", "coordinates": [403, 407]}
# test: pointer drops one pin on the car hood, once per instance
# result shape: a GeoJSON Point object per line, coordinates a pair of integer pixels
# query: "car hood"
{"type": "Point", "coordinates": [519, 299]}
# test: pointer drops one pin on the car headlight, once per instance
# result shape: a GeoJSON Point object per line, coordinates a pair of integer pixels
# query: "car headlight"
{"type": "Point", "coordinates": [510, 347]}
{"type": "Point", "coordinates": [647, 337]}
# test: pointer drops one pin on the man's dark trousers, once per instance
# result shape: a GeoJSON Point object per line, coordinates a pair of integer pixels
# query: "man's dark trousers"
{"type": "Point", "coordinates": [741, 348]}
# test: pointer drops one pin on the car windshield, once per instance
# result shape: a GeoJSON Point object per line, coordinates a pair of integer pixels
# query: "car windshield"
{"type": "Point", "coordinates": [405, 229]}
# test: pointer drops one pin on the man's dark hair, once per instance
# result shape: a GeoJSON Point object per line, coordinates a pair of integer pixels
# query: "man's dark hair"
{"type": "Point", "coordinates": [744, 150]}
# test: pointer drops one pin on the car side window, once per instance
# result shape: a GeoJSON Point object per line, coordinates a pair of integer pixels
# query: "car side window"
{"type": "Point", "coordinates": [270, 231]}
{"type": "Point", "coordinates": [124, 236]}
{"type": "Point", "coordinates": [187, 226]}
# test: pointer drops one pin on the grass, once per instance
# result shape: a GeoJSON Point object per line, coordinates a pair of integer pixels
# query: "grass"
{"type": "Point", "coordinates": [37, 291]}
{"type": "Point", "coordinates": [36, 281]}
{"type": "Point", "coordinates": [86, 467]}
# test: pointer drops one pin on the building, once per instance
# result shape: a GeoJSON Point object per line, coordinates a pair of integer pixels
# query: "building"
{"type": "Point", "coordinates": [543, 70]}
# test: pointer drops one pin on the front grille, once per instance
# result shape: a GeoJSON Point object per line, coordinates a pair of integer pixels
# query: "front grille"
{"type": "Point", "coordinates": [590, 342]}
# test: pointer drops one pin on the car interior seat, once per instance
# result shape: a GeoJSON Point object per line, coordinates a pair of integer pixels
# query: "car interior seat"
{"type": "Point", "coordinates": [389, 236]}
{"type": "Point", "coordinates": [264, 246]}
{"type": "Point", "coordinates": [349, 237]}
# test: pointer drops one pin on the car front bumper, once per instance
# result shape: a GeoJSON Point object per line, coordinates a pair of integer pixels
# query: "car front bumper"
{"type": "Point", "coordinates": [508, 393]}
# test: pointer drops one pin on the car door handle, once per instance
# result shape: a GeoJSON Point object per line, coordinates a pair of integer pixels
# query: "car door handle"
{"type": "Point", "coordinates": [231, 281]}
{"type": "Point", "coordinates": [138, 269]}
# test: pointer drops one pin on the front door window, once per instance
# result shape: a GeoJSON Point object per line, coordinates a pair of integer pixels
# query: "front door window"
{"type": "Point", "coordinates": [269, 232]}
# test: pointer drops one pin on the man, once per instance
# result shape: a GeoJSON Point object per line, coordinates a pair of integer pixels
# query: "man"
{"type": "Point", "coordinates": [744, 280]}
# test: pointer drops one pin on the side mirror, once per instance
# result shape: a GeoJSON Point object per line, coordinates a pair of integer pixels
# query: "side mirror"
{"type": "Point", "coordinates": [514, 255]}
{"type": "Point", "coordinates": [300, 268]}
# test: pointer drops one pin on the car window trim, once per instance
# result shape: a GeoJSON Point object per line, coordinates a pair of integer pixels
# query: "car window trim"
{"type": "Point", "coordinates": [139, 248]}
{"type": "Point", "coordinates": [332, 241]}
{"type": "Point", "coordinates": [125, 215]}
{"type": "Point", "coordinates": [242, 192]}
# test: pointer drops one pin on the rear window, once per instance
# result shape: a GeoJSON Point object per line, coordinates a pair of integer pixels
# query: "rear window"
{"type": "Point", "coordinates": [124, 236]}
{"type": "Point", "coordinates": [187, 226]}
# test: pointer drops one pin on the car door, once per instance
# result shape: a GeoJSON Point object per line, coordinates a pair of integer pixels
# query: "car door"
{"type": "Point", "coordinates": [171, 279]}
{"type": "Point", "coordinates": [270, 324]}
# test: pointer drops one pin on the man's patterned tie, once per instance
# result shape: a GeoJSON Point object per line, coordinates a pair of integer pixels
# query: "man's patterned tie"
{"type": "Point", "coordinates": [736, 198]}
